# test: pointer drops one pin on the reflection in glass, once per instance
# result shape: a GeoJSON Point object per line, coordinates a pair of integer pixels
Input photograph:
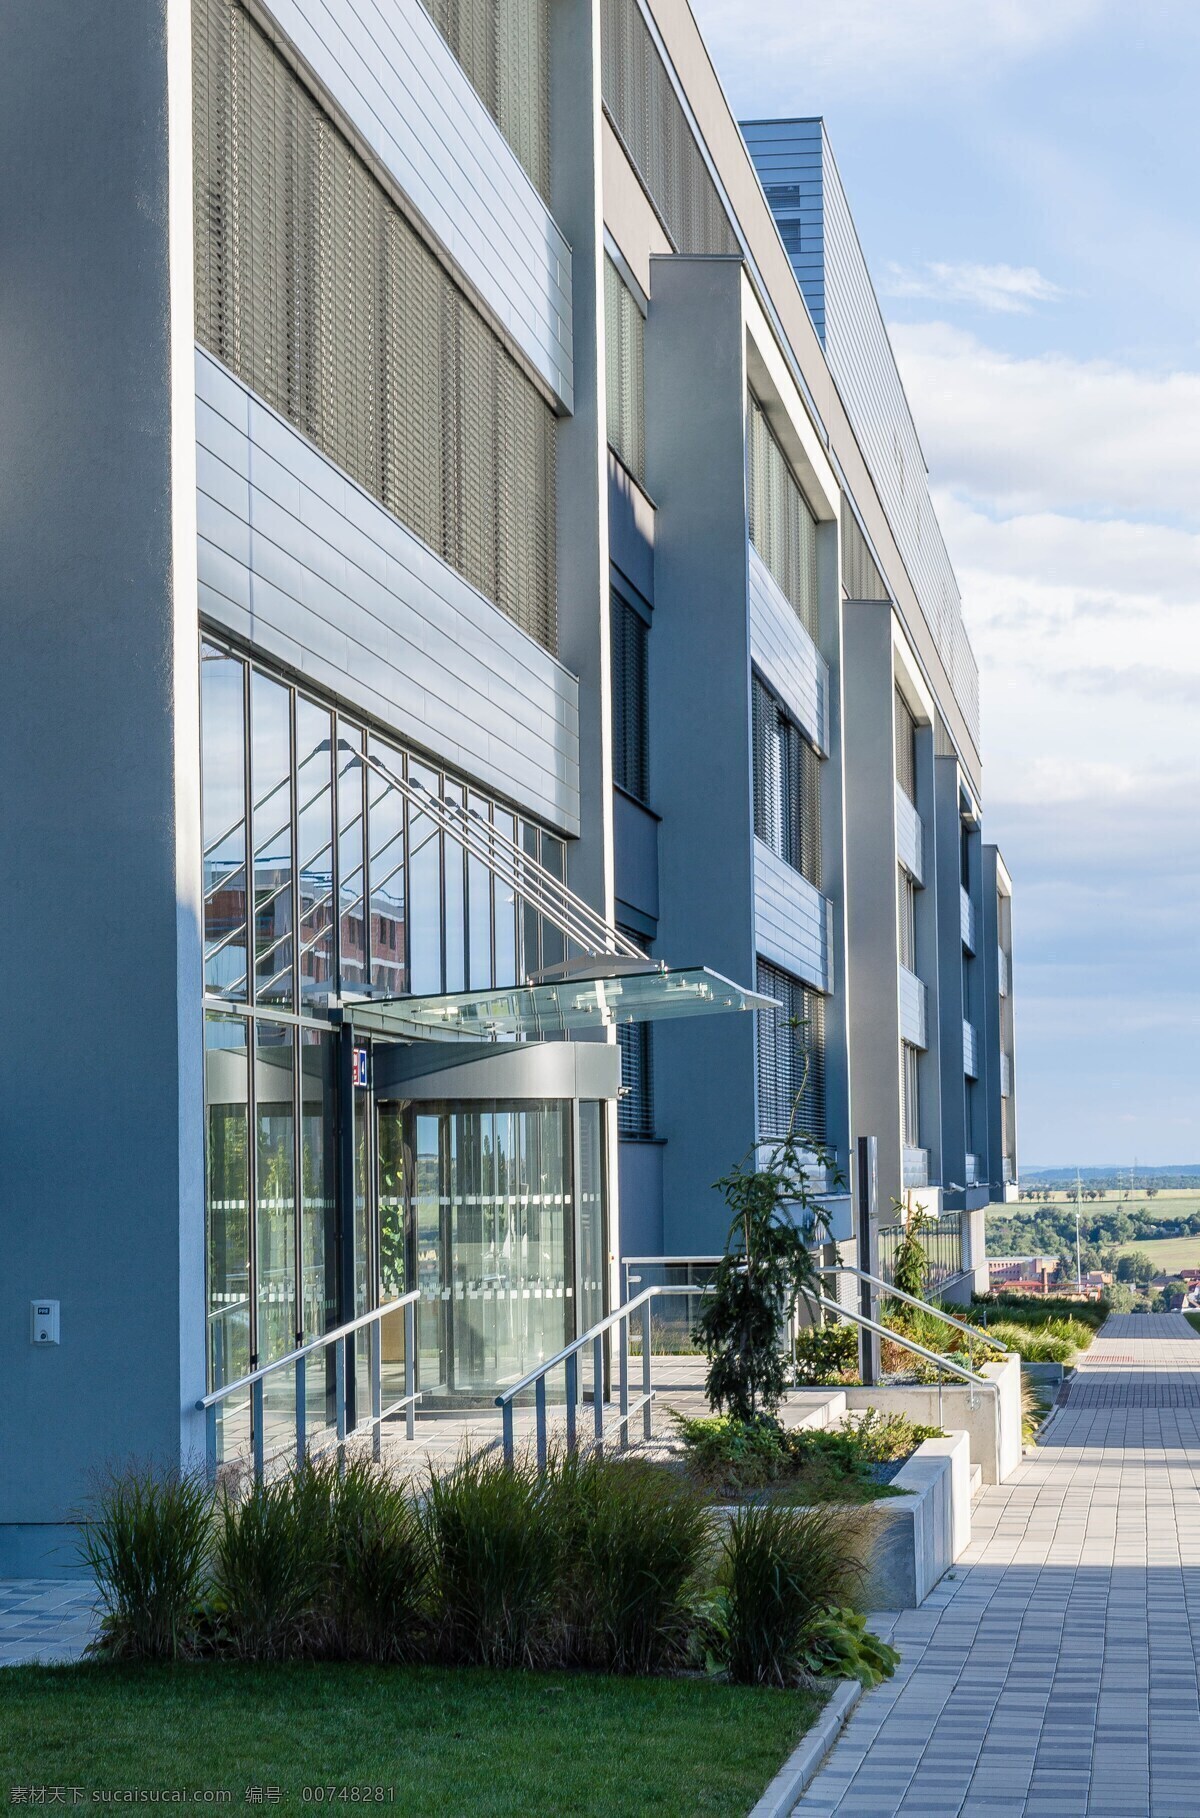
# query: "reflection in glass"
{"type": "Point", "coordinates": [429, 1250]}
{"type": "Point", "coordinates": [479, 911]}
{"type": "Point", "coordinates": [590, 1214]}
{"type": "Point", "coordinates": [529, 959]}
{"type": "Point", "coordinates": [275, 1207]}
{"type": "Point", "coordinates": [506, 911]}
{"type": "Point", "coordinates": [554, 859]}
{"type": "Point", "coordinates": [352, 922]}
{"type": "Point", "coordinates": [318, 1215]}
{"type": "Point", "coordinates": [227, 1198]}
{"type": "Point", "coordinates": [314, 822]}
{"type": "Point", "coordinates": [223, 734]}
{"type": "Point", "coordinates": [454, 889]}
{"type": "Point", "coordinates": [385, 839]}
{"type": "Point", "coordinates": [425, 903]}
{"type": "Point", "coordinates": [393, 1273]}
{"type": "Point", "coordinates": [271, 784]}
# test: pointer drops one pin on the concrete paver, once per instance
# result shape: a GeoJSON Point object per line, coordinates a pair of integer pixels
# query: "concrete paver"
{"type": "Point", "coordinates": [1056, 1672]}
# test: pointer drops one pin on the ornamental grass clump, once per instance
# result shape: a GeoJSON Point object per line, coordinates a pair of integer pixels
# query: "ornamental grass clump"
{"type": "Point", "coordinates": [146, 1545]}
{"type": "Point", "coordinates": [381, 1569]}
{"type": "Point", "coordinates": [783, 1569]}
{"type": "Point", "coordinates": [632, 1542]}
{"type": "Point", "coordinates": [272, 1567]}
{"type": "Point", "coordinates": [496, 1561]}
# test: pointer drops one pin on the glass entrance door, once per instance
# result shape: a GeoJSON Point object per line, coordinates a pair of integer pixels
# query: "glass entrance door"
{"type": "Point", "coordinates": [491, 1231]}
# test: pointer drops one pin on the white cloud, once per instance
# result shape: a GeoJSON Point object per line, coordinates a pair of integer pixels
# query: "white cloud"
{"type": "Point", "coordinates": [1009, 289]}
{"type": "Point", "coordinates": [811, 47]}
{"type": "Point", "coordinates": [1049, 431]}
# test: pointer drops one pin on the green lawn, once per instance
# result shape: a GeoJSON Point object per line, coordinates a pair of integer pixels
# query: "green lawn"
{"type": "Point", "coordinates": [450, 1742]}
{"type": "Point", "coordinates": [1193, 1320]}
{"type": "Point", "coordinates": [1168, 1254]}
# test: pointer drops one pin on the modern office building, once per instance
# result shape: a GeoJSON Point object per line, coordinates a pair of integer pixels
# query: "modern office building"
{"type": "Point", "coordinates": [468, 650]}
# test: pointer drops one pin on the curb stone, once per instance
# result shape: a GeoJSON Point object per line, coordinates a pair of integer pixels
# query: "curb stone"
{"type": "Point", "coordinates": [801, 1765]}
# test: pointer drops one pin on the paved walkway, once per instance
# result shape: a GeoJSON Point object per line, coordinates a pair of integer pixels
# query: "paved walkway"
{"type": "Point", "coordinates": [1056, 1674]}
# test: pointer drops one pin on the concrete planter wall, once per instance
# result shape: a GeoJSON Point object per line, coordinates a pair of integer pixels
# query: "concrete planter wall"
{"type": "Point", "coordinates": [990, 1414]}
{"type": "Point", "coordinates": [917, 1537]}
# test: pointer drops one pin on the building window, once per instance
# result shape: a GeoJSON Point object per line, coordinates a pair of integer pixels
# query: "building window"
{"type": "Point", "coordinates": [631, 731]}
{"type": "Point", "coordinates": [782, 527]}
{"type": "Point", "coordinates": [643, 106]}
{"type": "Point", "coordinates": [906, 748]}
{"type": "Point", "coordinates": [910, 1096]}
{"type": "Point", "coordinates": [787, 786]}
{"type": "Point", "coordinates": [907, 916]}
{"type": "Point", "coordinates": [504, 48]}
{"type": "Point", "coordinates": [625, 373]}
{"type": "Point", "coordinates": [635, 1107]}
{"type": "Point", "coordinates": [791, 1058]}
{"type": "Point", "coordinates": [316, 291]}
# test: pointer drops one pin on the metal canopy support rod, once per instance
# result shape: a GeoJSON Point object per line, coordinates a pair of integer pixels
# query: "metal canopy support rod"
{"type": "Point", "coordinates": [529, 880]}
{"type": "Point", "coordinates": [868, 1339]}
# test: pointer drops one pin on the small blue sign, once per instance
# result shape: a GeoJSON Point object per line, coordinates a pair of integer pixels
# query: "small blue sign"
{"type": "Point", "coordinates": [360, 1066]}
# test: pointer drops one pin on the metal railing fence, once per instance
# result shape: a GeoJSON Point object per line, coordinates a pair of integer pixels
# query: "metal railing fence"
{"type": "Point", "coordinates": [941, 1240]}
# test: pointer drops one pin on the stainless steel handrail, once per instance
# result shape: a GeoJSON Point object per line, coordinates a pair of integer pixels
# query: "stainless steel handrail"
{"type": "Point", "coordinates": [909, 1344]}
{"type": "Point", "coordinates": [298, 1358]}
{"type": "Point", "coordinates": [568, 1358]}
{"type": "Point", "coordinates": [894, 1293]}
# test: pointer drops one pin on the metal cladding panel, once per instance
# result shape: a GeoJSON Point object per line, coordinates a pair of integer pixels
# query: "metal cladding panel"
{"type": "Point", "coordinates": [792, 921]}
{"type": "Point", "coordinates": [967, 918]}
{"type": "Point", "coordinates": [302, 562]}
{"type": "Point", "coordinates": [970, 1050]}
{"type": "Point", "coordinates": [864, 369]}
{"type": "Point", "coordinates": [913, 997]}
{"type": "Point", "coordinates": [910, 837]}
{"type": "Point", "coordinates": [1005, 1075]}
{"type": "Point", "coordinates": [388, 68]}
{"type": "Point", "coordinates": [786, 655]}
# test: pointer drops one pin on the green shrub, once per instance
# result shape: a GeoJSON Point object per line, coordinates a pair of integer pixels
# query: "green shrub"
{"type": "Point", "coordinates": [381, 1570]}
{"type": "Point", "coordinates": [1036, 1310]}
{"type": "Point", "coordinates": [146, 1543]}
{"type": "Point", "coordinates": [735, 1454]}
{"type": "Point", "coordinates": [272, 1565]}
{"type": "Point", "coordinates": [782, 1569]}
{"type": "Point", "coordinates": [496, 1565]}
{"type": "Point", "coordinates": [826, 1354]}
{"type": "Point", "coordinates": [632, 1541]}
{"type": "Point", "coordinates": [840, 1646]}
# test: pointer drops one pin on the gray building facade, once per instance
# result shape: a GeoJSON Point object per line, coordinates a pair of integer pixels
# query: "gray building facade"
{"type": "Point", "coordinates": [446, 562]}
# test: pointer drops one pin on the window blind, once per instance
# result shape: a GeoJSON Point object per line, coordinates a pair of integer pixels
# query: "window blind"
{"type": "Point", "coordinates": [625, 373]}
{"type": "Point", "coordinates": [908, 920]}
{"type": "Point", "coordinates": [642, 103]}
{"type": "Point", "coordinates": [635, 1108]}
{"type": "Point", "coordinates": [910, 1098]}
{"type": "Point", "coordinates": [317, 292]}
{"type": "Point", "coordinates": [791, 1058]}
{"type": "Point", "coordinates": [782, 528]}
{"type": "Point", "coordinates": [906, 748]}
{"type": "Point", "coordinates": [861, 579]}
{"type": "Point", "coordinates": [504, 49]}
{"type": "Point", "coordinates": [630, 705]}
{"type": "Point", "coordinates": [787, 785]}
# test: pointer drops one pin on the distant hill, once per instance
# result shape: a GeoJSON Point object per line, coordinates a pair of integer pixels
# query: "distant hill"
{"type": "Point", "coordinates": [1174, 1174]}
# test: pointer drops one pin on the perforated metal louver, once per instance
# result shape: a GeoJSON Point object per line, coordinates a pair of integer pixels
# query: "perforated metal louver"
{"type": "Point", "coordinates": [631, 768]}
{"type": "Point", "coordinates": [861, 579]}
{"type": "Point", "coordinates": [315, 289]}
{"type": "Point", "coordinates": [782, 528]}
{"type": "Point", "coordinates": [791, 1058]}
{"type": "Point", "coordinates": [624, 372]}
{"type": "Point", "coordinates": [504, 48]}
{"type": "Point", "coordinates": [787, 785]}
{"type": "Point", "coordinates": [646, 112]}
{"type": "Point", "coordinates": [906, 748]}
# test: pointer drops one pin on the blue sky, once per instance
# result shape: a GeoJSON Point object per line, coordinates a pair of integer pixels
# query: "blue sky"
{"type": "Point", "coordinates": [1025, 174]}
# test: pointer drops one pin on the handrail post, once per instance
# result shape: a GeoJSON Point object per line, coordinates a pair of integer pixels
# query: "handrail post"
{"type": "Point", "coordinates": [339, 1395]}
{"type": "Point", "coordinates": [598, 1387]}
{"type": "Point", "coordinates": [376, 1330]}
{"type": "Point", "coordinates": [572, 1374]}
{"type": "Point", "coordinates": [506, 1421]}
{"type": "Point", "coordinates": [210, 1442]}
{"type": "Point", "coordinates": [256, 1423]}
{"type": "Point", "coordinates": [539, 1415]}
{"type": "Point", "coordinates": [301, 1410]}
{"type": "Point", "coordinates": [623, 1329]}
{"type": "Point", "coordinates": [410, 1369]}
{"type": "Point", "coordinates": [646, 1405]}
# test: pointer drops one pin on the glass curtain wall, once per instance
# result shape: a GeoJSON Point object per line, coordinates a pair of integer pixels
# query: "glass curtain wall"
{"type": "Point", "coordinates": [317, 881]}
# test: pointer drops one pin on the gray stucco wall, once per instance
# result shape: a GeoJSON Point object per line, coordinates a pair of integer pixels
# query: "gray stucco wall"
{"type": "Point", "coordinates": [700, 725]}
{"type": "Point", "coordinates": [102, 1204]}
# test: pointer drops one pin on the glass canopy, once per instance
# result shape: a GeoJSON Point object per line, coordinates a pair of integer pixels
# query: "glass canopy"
{"type": "Point", "coordinates": [557, 1007]}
